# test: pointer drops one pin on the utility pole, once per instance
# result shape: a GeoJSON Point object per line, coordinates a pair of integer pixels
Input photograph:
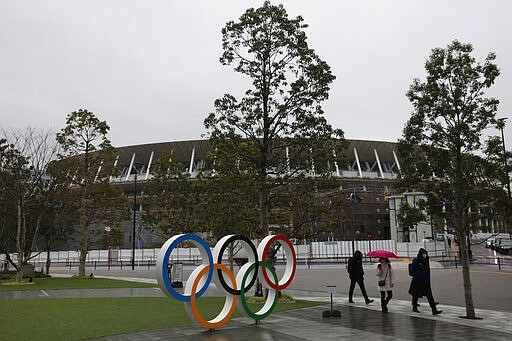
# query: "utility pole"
{"type": "Point", "coordinates": [134, 218]}
{"type": "Point", "coordinates": [505, 161]}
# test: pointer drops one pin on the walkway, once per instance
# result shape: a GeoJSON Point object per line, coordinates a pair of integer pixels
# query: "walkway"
{"type": "Point", "coordinates": [357, 321]}
{"type": "Point", "coordinates": [365, 322]}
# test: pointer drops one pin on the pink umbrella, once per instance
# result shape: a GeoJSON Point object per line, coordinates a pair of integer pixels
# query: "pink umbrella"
{"type": "Point", "coordinates": [381, 254]}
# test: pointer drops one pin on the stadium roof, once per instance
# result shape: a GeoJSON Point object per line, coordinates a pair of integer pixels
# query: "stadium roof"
{"type": "Point", "coordinates": [368, 159]}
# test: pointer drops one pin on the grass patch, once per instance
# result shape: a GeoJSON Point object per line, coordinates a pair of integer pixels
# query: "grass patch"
{"type": "Point", "coordinates": [14, 284]}
{"type": "Point", "coordinates": [49, 283]}
{"type": "Point", "coordinates": [83, 318]}
{"type": "Point", "coordinates": [261, 300]}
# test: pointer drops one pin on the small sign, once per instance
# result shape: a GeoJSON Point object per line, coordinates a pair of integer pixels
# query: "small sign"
{"type": "Point", "coordinates": [331, 289]}
{"type": "Point", "coordinates": [176, 275]}
{"type": "Point", "coordinates": [107, 228]}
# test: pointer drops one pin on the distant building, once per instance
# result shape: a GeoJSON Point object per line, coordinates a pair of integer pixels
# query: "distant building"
{"type": "Point", "coordinates": [424, 230]}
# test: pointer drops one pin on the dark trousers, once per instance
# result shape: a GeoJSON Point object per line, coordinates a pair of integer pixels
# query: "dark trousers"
{"type": "Point", "coordinates": [385, 300]}
{"type": "Point", "coordinates": [360, 282]}
{"type": "Point", "coordinates": [430, 299]}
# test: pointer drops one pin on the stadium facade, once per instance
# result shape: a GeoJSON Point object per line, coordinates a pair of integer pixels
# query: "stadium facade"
{"type": "Point", "coordinates": [368, 171]}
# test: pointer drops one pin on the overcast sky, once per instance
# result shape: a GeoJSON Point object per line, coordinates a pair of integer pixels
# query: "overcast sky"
{"type": "Point", "coordinates": [151, 69]}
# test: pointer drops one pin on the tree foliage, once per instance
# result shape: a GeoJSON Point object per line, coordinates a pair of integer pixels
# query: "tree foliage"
{"type": "Point", "coordinates": [277, 130]}
{"type": "Point", "coordinates": [88, 157]}
{"type": "Point", "coordinates": [172, 198]}
{"type": "Point", "coordinates": [410, 216]}
{"type": "Point", "coordinates": [178, 203]}
{"type": "Point", "coordinates": [442, 149]}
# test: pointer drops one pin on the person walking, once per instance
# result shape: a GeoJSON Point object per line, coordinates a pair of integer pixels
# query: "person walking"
{"type": "Point", "coordinates": [385, 279]}
{"type": "Point", "coordinates": [420, 283]}
{"type": "Point", "coordinates": [356, 275]}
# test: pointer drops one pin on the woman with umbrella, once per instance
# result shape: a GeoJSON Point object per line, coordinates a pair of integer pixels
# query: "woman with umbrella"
{"type": "Point", "coordinates": [385, 276]}
{"type": "Point", "coordinates": [385, 282]}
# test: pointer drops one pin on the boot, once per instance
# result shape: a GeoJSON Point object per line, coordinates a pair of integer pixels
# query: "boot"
{"type": "Point", "coordinates": [368, 301]}
{"type": "Point", "coordinates": [415, 309]}
{"type": "Point", "coordinates": [436, 312]}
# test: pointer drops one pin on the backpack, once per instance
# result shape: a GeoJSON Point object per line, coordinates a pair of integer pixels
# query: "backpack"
{"type": "Point", "coordinates": [350, 265]}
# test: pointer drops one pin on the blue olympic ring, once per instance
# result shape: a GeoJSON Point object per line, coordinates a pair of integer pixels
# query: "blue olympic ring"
{"type": "Point", "coordinates": [162, 275]}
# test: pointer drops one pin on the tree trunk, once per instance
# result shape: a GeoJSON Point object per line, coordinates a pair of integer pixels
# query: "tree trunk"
{"type": "Point", "coordinates": [231, 257]}
{"type": "Point", "coordinates": [48, 262]}
{"type": "Point", "coordinates": [83, 247]}
{"type": "Point", "coordinates": [20, 242]}
{"type": "Point", "coordinates": [264, 212]}
{"type": "Point", "coordinates": [84, 235]}
{"type": "Point", "coordinates": [468, 295]}
{"type": "Point", "coordinates": [19, 270]}
{"type": "Point", "coordinates": [470, 253]}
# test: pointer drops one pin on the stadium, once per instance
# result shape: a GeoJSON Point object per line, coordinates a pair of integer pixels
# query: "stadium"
{"type": "Point", "coordinates": [368, 170]}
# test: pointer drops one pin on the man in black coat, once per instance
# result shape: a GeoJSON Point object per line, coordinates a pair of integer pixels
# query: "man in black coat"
{"type": "Point", "coordinates": [356, 275]}
{"type": "Point", "coordinates": [420, 284]}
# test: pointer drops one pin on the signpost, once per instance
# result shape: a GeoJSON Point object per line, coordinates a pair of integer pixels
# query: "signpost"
{"type": "Point", "coordinates": [331, 289]}
{"type": "Point", "coordinates": [107, 231]}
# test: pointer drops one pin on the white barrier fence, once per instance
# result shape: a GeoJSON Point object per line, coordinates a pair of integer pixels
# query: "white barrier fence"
{"type": "Point", "coordinates": [317, 251]}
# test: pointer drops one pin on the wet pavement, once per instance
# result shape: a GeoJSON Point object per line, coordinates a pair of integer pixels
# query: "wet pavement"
{"type": "Point", "coordinates": [357, 321]}
{"type": "Point", "coordinates": [491, 292]}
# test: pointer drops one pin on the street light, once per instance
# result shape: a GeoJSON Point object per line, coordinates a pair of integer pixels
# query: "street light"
{"type": "Point", "coordinates": [354, 199]}
{"type": "Point", "coordinates": [134, 215]}
{"type": "Point", "coordinates": [501, 125]}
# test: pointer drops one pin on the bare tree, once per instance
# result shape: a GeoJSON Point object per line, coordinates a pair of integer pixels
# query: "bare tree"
{"type": "Point", "coordinates": [25, 190]}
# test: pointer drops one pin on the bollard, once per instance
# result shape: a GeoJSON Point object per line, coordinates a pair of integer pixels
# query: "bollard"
{"type": "Point", "coordinates": [499, 264]}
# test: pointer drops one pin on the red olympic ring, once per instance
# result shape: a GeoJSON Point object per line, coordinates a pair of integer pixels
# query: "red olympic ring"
{"type": "Point", "coordinates": [289, 272]}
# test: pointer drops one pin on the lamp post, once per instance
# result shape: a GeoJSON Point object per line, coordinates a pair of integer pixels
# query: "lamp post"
{"type": "Point", "coordinates": [354, 199]}
{"type": "Point", "coordinates": [107, 237]}
{"type": "Point", "coordinates": [505, 163]}
{"type": "Point", "coordinates": [134, 216]}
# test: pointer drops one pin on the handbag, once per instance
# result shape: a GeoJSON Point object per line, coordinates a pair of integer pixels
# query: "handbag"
{"type": "Point", "coordinates": [383, 282]}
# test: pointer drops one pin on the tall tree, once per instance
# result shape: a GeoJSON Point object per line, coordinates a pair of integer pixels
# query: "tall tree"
{"type": "Point", "coordinates": [442, 144]}
{"type": "Point", "coordinates": [277, 130]}
{"type": "Point", "coordinates": [58, 224]}
{"type": "Point", "coordinates": [25, 191]}
{"type": "Point", "coordinates": [88, 155]}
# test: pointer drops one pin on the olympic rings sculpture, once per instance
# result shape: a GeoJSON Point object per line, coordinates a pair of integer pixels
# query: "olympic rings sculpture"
{"type": "Point", "coordinates": [201, 276]}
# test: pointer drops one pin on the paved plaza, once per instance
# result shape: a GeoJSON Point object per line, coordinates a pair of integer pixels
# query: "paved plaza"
{"type": "Point", "coordinates": [491, 290]}
{"type": "Point", "coordinates": [358, 320]}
